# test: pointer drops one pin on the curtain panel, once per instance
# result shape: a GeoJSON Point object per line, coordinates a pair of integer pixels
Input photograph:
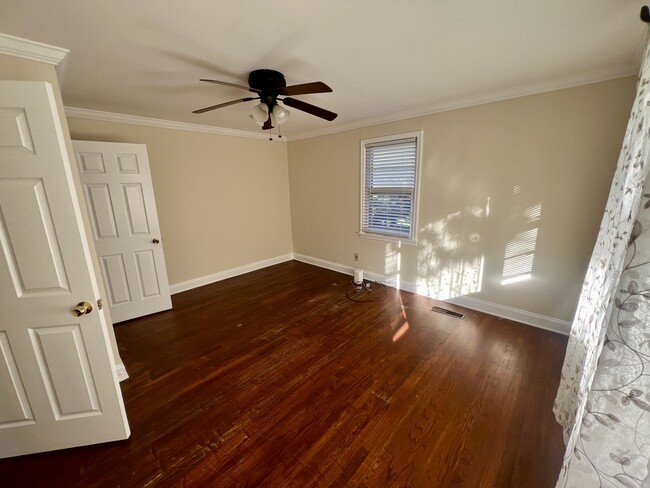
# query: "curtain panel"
{"type": "Point", "coordinates": [599, 304]}
{"type": "Point", "coordinates": [613, 448]}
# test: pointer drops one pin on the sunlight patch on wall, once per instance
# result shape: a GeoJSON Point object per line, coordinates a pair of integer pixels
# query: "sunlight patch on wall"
{"type": "Point", "coordinates": [450, 261]}
{"type": "Point", "coordinates": [520, 250]}
{"type": "Point", "coordinates": [393, 261]}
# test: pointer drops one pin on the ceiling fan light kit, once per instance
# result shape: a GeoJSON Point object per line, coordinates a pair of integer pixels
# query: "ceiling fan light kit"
{"type": "Point", "coordinates": [255, 120]}
{"type": "Point", "coordinates": [280, 114]}
{"type": "Point", "coordinates": [260, 113]}
{"type": "Point", "coordinates": [270, 85]}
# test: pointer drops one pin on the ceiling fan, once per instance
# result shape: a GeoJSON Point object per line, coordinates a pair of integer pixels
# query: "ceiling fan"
{"type": "Point", "coordinates": [269, 85]}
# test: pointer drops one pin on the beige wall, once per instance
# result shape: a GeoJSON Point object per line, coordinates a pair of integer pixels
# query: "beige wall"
{"type": "Point", "coordinates": [222, 201]}
{"type": "Point", "coordinates": [13, 68]}
{"type": "Point", "coordinates": [482, 169]}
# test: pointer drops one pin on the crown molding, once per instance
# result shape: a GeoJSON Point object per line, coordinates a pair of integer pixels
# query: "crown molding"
{"type": "Point", "coordinates": [35, 51]}
{"type": "Point", "coordinates": [586, 78]}
{"type": "Point", "coordinates": [84, 113]}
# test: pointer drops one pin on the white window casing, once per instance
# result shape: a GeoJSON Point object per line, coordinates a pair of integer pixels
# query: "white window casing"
{"type": "Point", "coordinates": [390, 168]}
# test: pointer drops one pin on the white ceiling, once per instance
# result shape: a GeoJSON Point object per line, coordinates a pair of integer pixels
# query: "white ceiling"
{"type": "Point", "coordinates": [381, 57]}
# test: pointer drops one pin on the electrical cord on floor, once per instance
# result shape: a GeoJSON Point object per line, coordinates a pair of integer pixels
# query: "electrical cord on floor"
{"type": "Point", "coordinates": [364, 292]}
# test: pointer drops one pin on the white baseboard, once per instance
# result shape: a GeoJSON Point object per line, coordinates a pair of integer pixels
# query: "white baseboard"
{"type": "Point", "coordinates": [516, 314]}
{"type": "Point", "coordinates": [325, 264]}
{"type": "Point", "coordinates": [121, 372]}
{"type": "Point", "coordinates": [529, 318]}
{"type": "Point", "coordinates": [229, 273]}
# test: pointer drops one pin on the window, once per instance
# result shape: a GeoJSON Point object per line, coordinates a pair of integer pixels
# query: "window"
{"type": "Point", "coordinates": [389, 174]}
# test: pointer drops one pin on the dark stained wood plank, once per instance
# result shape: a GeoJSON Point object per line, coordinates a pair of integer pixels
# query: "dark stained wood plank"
{"type": "Point", "coordinates": [275, 378]}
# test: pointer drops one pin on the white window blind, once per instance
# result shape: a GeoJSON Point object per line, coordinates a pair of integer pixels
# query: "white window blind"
{"type": "Point", "coordinates": [389, 185]}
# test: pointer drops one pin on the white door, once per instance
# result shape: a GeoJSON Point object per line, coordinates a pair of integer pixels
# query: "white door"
{"type": "Point", "coordinates": [58, 386]}
{"type": "Point", "coordinates": [120, 200]}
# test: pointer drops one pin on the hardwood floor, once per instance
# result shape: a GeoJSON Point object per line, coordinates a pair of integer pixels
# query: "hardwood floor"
{"type": "Point", "coordinates": [275, 379]}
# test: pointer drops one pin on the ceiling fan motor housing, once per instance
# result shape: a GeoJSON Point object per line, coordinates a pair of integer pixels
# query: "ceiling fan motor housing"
{"type": "Point", "coordinates": [268, 81]}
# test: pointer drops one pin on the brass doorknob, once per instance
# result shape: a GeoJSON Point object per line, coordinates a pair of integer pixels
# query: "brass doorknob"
{"type": "Point", "coordinates": [82, 309]}
{"type": "Point", "coordinates": [155, 241]}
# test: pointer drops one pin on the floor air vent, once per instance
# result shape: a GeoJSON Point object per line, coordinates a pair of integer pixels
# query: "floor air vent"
{"type": "Point", "coordinates": [451, 313]}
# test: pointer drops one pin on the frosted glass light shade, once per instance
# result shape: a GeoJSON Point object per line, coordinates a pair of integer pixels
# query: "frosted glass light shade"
{"type": "Point", "coordinates": [260, 112]}
{"type": "Point", "coordinates": [255, 120]}
{"type": "Point", "coordinates": [281, 114]}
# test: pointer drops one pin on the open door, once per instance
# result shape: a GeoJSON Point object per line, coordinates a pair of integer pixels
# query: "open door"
{"type": "Point", "coordinates": [58, 386]}
{"type": "Point", "coordinates": [119, 197]}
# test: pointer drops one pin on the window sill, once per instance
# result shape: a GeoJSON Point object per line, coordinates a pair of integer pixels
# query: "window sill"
{"type": "Point", "coordinates": [395, 239]}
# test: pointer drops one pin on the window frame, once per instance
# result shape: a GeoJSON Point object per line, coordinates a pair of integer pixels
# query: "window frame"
{"type": "Point", "coordinates": [412, 239]}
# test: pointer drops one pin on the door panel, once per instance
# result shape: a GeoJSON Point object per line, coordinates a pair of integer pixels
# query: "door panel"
{"type": "Point", "coordinates": [92, 163]}
{"type": "Point", "coordinates": [28, 238]}
{"type": "Point", "coordinates": [127, 164]}
{"type": "Point", "coordinates": [134, 202]}
{"type": "Point", "coordinates": [14, 405]}
{"type": "Point", "coordinates": [118, 285]}
{"type": "Point", "coordinates": [147, 275]}
{"type": "Point", "coordinates": [14, 130]}
{"type": "Point", "coordinates": [57, 371]}
{"type": "Point", "coordinates": [63, 362]}
{"type": "Point", "coordinates": [119, 195]}
{"type": "Point", "coordinates": [100, 209]}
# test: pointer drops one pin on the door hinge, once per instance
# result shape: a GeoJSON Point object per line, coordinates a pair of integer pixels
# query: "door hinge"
{"type": "Point", "coordinates": [100, 304]}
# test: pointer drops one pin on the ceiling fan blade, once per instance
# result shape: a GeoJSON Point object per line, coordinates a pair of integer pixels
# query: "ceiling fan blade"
{"type": "Point", "coordinates": [225, 104]}
{"type": "Point", "coordinates": [234, 85]}
{"type": "Point", "coordinates": [310, 109]}
{"type": "Point", "coordinates": [305, 88]}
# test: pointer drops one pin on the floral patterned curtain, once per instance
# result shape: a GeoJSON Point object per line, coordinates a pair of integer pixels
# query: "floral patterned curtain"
{"type": "Point", "coordinates": [613, 448]}
{"type": "Point", "coordinates": [618, 319]}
